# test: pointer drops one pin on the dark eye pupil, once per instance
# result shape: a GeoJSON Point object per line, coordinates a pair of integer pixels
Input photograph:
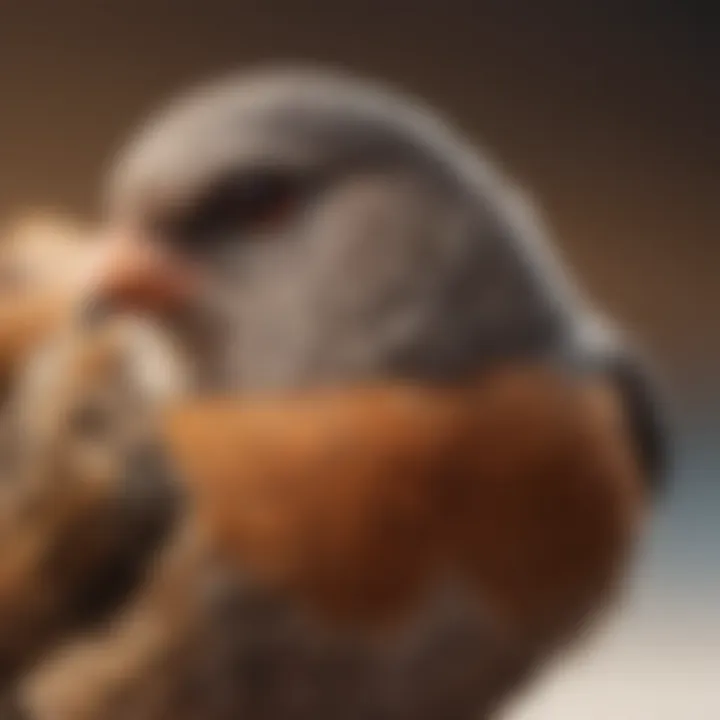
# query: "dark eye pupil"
{"type": "Point", "coordinates": [235, 204]}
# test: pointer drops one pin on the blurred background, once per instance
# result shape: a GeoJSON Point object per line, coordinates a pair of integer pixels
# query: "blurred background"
{"type": "Point", "coordinates": [608, 112]}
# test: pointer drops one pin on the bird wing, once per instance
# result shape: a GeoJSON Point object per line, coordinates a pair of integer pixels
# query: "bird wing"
{"type": "Point", "coordinates": [523, 483]}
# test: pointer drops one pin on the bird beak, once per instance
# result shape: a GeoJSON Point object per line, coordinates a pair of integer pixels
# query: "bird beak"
{"type": "Point", "coordinates": [139, 275]}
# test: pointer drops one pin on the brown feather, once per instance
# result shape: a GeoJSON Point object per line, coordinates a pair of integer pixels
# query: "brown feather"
{"type": "Point", "coordinates": [523, 483]}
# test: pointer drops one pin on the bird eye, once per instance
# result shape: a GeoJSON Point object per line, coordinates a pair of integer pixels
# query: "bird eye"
{"type": "Point", "coordinates": [254, 200]}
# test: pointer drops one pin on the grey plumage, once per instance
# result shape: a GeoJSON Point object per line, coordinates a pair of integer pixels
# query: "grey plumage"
{"type": "Point", "coordinates": [410, 255]}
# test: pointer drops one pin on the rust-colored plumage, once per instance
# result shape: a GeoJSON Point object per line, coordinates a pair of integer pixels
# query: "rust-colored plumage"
{"type": "Point", "coordinates": [350, 506]}
{"type": "Point", "coordinates": [524, 484]}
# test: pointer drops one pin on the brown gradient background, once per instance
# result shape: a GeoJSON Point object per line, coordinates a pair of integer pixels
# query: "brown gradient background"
{"type": "Point", "coordinates": [607, 111]}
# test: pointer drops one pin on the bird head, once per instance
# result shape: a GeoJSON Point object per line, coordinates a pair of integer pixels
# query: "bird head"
{"type": "Point", "coordinates": [303, 228]}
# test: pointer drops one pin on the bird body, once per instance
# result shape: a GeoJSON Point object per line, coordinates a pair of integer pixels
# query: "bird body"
{"type": "Point", "coordinates": [330, 565]}
{"type": "Point", "coordinates": [414, 458]}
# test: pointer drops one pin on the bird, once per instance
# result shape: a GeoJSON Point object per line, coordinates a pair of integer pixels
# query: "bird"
{"type": "Point", "coordinates": [419, 455]}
